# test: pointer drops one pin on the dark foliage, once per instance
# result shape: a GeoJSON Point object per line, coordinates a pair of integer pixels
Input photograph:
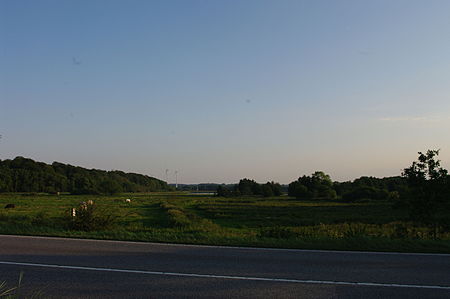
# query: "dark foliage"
{"type": "Point", "coordinates": [318, 185]}
{"type": "Point", "coordinates": [366, 192]}
{"type": "Point", "coordinates": [428, 201]}
{"type": "Point", "coordinates": [26, 175]}
{"type": "Point", "coordinates": [88, 217]}
{"type": "Point", "coordinates": [223, 191]}
{"type": "Point", "coordinates": [247, 187]}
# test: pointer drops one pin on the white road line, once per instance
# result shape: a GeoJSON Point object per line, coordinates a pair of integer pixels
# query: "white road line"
{"type": "Point", "coordinates": [304, 281]}
{"type": "Point", "coordinates": [143, 243]}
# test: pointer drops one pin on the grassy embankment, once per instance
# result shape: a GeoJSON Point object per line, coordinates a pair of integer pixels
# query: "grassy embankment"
{"type": "Point", "coordinates": [199, 219]}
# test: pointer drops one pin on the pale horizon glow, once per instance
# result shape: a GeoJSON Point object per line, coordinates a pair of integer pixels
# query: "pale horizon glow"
{"type": "Point", "coordinates": [222, 90]}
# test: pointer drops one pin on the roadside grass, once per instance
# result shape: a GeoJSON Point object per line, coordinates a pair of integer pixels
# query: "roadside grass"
{"type": "Point", "coordinates": [15, 292]}
{"type": "Point", "coordinates": [248, 221]}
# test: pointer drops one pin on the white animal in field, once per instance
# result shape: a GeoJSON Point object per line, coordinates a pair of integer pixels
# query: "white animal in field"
{"type": "Point", "coordinates": [128, 200]}
{"type": "Point", "coordinates": [84, 205]}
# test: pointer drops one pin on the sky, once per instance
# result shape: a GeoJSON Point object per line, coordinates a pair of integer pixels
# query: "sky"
{"type": "Point", "coordinates": [222, 90]}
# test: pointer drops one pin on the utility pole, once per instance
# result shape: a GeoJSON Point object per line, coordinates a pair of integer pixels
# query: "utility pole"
{"type": "Point", "coordinates": [167, 176]}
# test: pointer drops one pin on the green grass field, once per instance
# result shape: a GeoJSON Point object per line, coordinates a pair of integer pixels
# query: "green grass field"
{"type": "Point", "coordinates": [201, 219]}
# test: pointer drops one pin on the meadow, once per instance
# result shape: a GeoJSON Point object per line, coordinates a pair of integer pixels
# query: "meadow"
{"type": "Point", "coordinates": [177, 217]}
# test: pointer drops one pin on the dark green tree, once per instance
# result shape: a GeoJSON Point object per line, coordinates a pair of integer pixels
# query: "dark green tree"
{"type": "Point", "coordinates": [223, 191]}
{"type": "Point", "coordinates": [298, 190]}
{"type": "Point", "coordinates": [249, 187]}
{"type": "Point", "coordinates": [25, 175]}
{"type": "Point", "coordinates": [318, 185]}
{"type": "Point", "coordinates": [266, 190]}
{"type": "Point", "coordinates": [110, 187]}
{"type": "Point", "coordinates": [428, 201]}
{"type": "Point", "coordinates": [276, 188]}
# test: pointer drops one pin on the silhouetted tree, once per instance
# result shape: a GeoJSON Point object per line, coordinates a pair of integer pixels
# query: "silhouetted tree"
{"type": "Point", "coordinates": [223, 191]}
{"type": "Point", "coordinates": [318, 185]}
{"type": "Point", "coordinates": [428, 201]}
{"type": "Point", "coordinates": [266, 190]}
{"type": "Point", "coordinates": [25, 175]}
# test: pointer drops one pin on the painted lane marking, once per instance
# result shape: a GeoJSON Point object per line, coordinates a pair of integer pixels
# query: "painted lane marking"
{"type": "Point", "coordinates": [304, 281]}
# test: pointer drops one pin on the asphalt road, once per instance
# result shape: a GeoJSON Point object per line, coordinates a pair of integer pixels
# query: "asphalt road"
{"type": "Point", "coordinates": [71, 268]}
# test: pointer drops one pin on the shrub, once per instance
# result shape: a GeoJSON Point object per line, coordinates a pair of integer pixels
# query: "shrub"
{"type": "Point", "coordinates": [88, 217]}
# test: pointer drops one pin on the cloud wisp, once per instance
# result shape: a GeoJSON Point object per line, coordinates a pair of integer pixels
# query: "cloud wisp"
{"type": "Point", "coordinates": [414, 119]}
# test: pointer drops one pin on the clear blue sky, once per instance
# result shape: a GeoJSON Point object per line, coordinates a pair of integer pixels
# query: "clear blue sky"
{"type": "Point", "coordinates": [221, 90]}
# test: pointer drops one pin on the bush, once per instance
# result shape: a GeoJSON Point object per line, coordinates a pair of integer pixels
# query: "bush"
{"type": "Point", "coordinates": [88, 217]}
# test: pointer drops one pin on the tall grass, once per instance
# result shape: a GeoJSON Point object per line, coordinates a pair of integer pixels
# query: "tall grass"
{"type": "Point", "coordinates": [15, 292]}
{"type": "Point", "coordinates": [177, 217]}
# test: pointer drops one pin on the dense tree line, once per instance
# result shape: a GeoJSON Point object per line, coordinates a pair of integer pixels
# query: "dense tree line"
{"type": "Point", "coordinates": [372, 188]}
{"type": "Point", "coordinates": [320, 186]}
{"type": "Point", "coordinates": [26, 175]}
{"type": "Point", "coordinates": [247, 187]}
{"type": "Point", "coordinates": [423, 190]}
{"type": "Point", "coordinates": [204, 187]}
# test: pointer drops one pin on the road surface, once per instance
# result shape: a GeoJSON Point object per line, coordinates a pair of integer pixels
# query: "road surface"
{"type": "Point", "coordinates": [72, 268]}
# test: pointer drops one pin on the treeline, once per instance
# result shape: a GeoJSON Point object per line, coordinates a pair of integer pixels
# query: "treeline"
{"type": "Point", "coordinates": [250, 187]}
{"type": "Point", "coordinates": [26, 175]}
{"type": "Point", "coordinates": [203, 187]}
{"type": "Point", "coordinates": [320, 186]}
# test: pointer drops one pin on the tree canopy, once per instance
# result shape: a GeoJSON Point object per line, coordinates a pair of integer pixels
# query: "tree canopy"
{"type": "Point", "coordinates": [318, 185]}
{"type": "Point", "coordinates": [428, 199]}
{"type": "Point", "coordinates": [26, 175]}
{"type": "Point", "coordinates": [247, 187]}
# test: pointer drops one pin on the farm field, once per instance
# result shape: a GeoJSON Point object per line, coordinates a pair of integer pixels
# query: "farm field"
{"type": "Point", "coordinates": [177, 217]}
